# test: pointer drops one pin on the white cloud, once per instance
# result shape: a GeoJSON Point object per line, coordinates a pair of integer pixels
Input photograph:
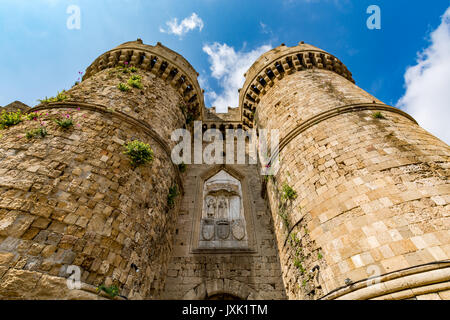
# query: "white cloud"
{"type": "Point", "coordinates": [186, 25]}
{"type": "Point", "coordinates": [228, 67]}
{"type": "Point", "coordinates": [427, 96]}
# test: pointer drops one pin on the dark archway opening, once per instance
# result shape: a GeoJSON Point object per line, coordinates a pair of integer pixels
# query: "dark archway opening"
{"type": "Point", "coordinates": [223, 296]}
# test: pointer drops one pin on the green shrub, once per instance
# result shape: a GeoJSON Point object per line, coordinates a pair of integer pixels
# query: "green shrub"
{"type": "Point", "coordinates": [304, 283]}
{"type": "Point", "coordinates": [284, 216]}
{"type": "Point", "coordinates": [288, 193]}
{"type": "Point", "coordinates": [61, 96]}
{"type": "Point", "coordinates": [135, 82]}
{"type": "Point", "coordinates": [123, 87]}
{"type": "Point", "coordinates": [133, 69]}
{"type": "Point", "coordinates": [39, 133]}
{"type": "Point", "coordinates": [111, 291]}
{"type": "Point", "coordinates": [294, 239]}
{"type": "Point", "coordinates": [65, 121]}
{"type": "Point", "coordinates": [139, 153]}
{"type": "Point", "coordinates": [33, 116]}
{"type": "Point", "coordinates": [9, 119]}
{"type": "Point", "coordinates": [378, 115]}
{"type": "Point", "coordinates": [182, 167]}
{"type": "Point", "coordinates": [298, 265]}
{"type": "Point", "coordinates": [173, 193]}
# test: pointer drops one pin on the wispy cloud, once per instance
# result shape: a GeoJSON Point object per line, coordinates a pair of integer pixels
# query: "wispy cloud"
{"type": "Point", "coordinates": [186, 25]}
{"type": "Point", "coordinates": [427, 96]}
{"type": "Point", "coordinates": [228, 67]}
{"type": "Point", "coordinates": [265, 29]}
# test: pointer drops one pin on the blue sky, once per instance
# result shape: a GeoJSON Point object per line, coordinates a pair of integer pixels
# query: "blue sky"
{"type": "Point", "coordinates": [41, 55]}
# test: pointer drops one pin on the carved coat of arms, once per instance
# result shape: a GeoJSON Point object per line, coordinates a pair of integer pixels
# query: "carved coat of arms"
{"type": "Point", "coordinates": [223, 229]}
{"type": "Point", "coordinates": [238, 229]}
{"type": "Point", "coordinates": [208, 229]}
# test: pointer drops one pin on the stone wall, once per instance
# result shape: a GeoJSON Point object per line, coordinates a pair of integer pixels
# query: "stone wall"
{"type": "Point", "coordinates": [370, 219]}
{"type": "Point", "coordinates": [72, 197]}
{"type": "Point", "coordinates": [193, 274]}
{"type": "Point", "coordinates": [373, 192]}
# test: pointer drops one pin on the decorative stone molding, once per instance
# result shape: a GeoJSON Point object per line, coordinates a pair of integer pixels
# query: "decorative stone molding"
{"type": "Point", "coordinates": [305, 125]}
{"type": "Point", "coordinates": [277, 63]}
{"type": "Point", "coordinates": [398, 285]}
{"type": "Point", "coordinates": [161, 61]}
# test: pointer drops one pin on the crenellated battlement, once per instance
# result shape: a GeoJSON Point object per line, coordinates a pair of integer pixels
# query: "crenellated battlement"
{"type": "Point", "coordinates": [162, 62]}
{"type": "Point", "coordinates": [278, 63]}
{"type": "Point", "coordinates": [360, 195]}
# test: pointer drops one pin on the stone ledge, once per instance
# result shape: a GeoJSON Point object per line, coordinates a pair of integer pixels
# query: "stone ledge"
{"type": "Point", "coordinates": [397, 281]}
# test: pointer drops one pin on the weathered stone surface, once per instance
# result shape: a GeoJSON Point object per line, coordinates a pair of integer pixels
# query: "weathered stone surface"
{"type": "Point", "coordinates": [74, 195]}
{"type": "Point", "coordinates": [372, 193]}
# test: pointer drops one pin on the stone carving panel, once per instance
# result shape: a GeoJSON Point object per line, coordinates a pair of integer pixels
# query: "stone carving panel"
{"type": "Point", "coordinates": [223, 223]}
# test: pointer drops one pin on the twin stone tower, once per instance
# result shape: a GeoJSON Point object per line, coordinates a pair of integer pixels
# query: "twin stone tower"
{"type": "Point", "coordinates": [359, 208]}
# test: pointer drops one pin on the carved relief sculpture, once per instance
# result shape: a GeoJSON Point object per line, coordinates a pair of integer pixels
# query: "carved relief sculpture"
{"type": "Point", "coordinates": [223, 221]}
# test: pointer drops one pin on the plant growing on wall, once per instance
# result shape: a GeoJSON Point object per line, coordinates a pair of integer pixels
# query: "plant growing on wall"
{"type": "Point", "coordinates": [319, 255]}
{"type": "Point", "coordinates": [80, 74]}
{"type": "Point", "coordinates": [378, 115]}
{"type": "Point", "coordinates": [288, 194]}
{"type": "Point", "coordinates": [9, 119]}
{"type": "Point", "coordinates": [284, 216]}
{"type": "Point", "coordinates": [299, 266]}
{"type": "Point", "coordinates": [135, 82]}
{"type": "Point", "coordinates": [61, 96]}
{"type": "Point", "coordinates": [112, 291]}
{"type": "Point", "coordinates": [123, 87]}
{"type": "Point", "coordinates": [139, 153]}
{"type": "Point", "coordinates": [64, 121]}
{"type": "Point", "coordinates": [182, 167]}
{"type": "Point", "coordinates": [40, 132]}
{"type": "Point", "coordinates": [33, 116]}
{"type": "Point", "coordinates": [173, 193]}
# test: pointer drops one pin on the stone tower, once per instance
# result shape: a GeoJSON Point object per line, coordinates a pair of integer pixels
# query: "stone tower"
{"type": "Point", "coordinates": [73, 199]}
{"type": "Point", "coordinates": [372, 186]}
{"type": "Point", "coordinates": [358, 210]}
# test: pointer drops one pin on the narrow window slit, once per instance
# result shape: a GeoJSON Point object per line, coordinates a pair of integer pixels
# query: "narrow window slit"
{"type": "Point", "coordinates": [300, 58]}
{"type": "Point", "coordinates": [163, 67]}
{"type": "Point", "coordinates": [279, 67]}
{"type": "Point", "coordinates": [312, 58]}
{"type": "Point", "coordinates": [172, 74]}
{"type": "Point", "coordinates": [193, 98]}
{"type": "Point", "coordinates": [255, 89]}
{"type": "Point", "coordinates": [141, 58]}
{"type": "Point", "coordinates": [270, 73]}
{"type": "Point", "coordinates": [153, 62]}
{"type": "Point", "coordinates": [262, 81]}
{"type": "Point", "coordinates": [289, 62]}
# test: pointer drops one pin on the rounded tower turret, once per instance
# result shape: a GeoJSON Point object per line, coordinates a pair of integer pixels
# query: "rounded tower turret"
{"type": "Point", "coordinates": [72, 201]}
{"type": "Point", "coordinates": [362, 190]}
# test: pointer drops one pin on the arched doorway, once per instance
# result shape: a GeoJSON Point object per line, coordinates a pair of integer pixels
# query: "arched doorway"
{"type": "Point", "coordinates": [223, 296]}
{"type": "Point", "coordinates": [222, 289]}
